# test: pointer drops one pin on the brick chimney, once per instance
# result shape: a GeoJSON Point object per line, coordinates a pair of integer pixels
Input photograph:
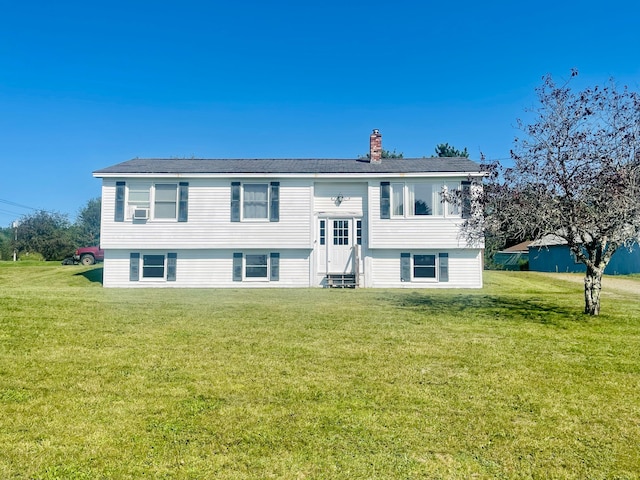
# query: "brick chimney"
{"type": "Point", "coordinates": [375, 147]}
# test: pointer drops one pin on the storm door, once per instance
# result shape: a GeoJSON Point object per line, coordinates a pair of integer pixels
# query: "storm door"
{"type": "Point", "coordinates": [336, 245]}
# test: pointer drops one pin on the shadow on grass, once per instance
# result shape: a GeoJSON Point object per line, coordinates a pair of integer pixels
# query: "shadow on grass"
{"type": "Point", "coordinates": [494, 307]}
{"type": "Point", "coordinates": [94, 275]}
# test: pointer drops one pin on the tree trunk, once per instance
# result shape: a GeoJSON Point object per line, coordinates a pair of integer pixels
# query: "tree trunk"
{"type": "Point", "coordinates": [592, 287]}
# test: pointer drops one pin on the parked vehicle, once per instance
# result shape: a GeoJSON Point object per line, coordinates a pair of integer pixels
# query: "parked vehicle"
{"type": "Point", "coordinates": [88, 255]}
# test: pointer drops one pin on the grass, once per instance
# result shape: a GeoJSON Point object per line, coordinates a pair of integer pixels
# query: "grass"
{"type": "Point", "coordinates": [511, 381]}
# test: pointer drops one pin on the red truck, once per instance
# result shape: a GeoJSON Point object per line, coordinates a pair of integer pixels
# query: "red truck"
{"type": "Point", "coordinates": [88, 255]}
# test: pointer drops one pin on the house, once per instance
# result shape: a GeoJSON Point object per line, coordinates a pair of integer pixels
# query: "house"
{"type": "Point", "coordinates": [551, 254]}
{"type": "Point", "coordinates": [288, 222]}
{"type": "Point", "coordinates": [515, 257]}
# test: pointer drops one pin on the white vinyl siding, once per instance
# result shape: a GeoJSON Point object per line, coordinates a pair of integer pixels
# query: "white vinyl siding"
{"type": "Point", "coordinates": [209, 224]}
{"type": "Point", "coordinates": [353, 198]}
{"type": "Point", "coordinates": [207, 269]}
{"type": "Point", "coordinates": [464, 269]}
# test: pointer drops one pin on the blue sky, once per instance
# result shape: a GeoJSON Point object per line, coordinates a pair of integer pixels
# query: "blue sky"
{"type": "Point", "coordinates": [85, 85]}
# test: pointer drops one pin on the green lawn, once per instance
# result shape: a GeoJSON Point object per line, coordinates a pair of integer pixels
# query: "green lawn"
{"type": "Point", "coordinates": [511, 381]}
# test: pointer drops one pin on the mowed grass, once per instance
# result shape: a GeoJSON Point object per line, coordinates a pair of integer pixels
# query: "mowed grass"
{"type": "Point", "coordinates": [511, 381]}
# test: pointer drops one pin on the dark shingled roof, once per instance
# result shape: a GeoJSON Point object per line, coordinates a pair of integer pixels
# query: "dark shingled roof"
{"type": "Point", "coordinates": [292, 166]}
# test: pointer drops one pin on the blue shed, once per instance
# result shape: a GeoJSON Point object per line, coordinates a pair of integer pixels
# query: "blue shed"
{"type": "Point", "coordinates": [551, 254]}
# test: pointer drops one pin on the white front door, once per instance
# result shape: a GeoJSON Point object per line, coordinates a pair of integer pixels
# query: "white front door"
{"type": "Point", "coordinates": [337, 240]}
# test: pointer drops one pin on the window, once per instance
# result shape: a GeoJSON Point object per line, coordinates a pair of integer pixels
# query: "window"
{"type": "Point", "coordinates": [256, 266]}
{"type": "Point", "coordinates": [138, 196]}
{"type": "Point", "coordinates": [397, 200]}
{"type": "Point", "coordinates": [341, 232]}
{"type": "Point", "coordinates": [421, 199]}
{"type": "Point", "coordinates": [169, 200]}
{"type": "Point", "coordinates": [465, 190]}
{"type": "Point", "coordinates": [424, 267]}
{"type": "Point", "coordinates": [138, 201]}
{"type": "Point", "coordinates": [153, 267]}
{"type": "Point", "coordinates": [166, 200]}
{"type": "Point", "coordinates": [256, 201]}
{"type": "Point", "coordinates": [452, 208]}
{"type": "Point", "coordinates": [359, 232]}
{"type": "Point", "coordinates": [323, 232]}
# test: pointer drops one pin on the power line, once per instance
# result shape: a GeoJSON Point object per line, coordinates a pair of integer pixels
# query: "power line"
{"type": "Point", "coordinates": [9, 212]}
{"type": "Point", "coordinates": [14, 204]}
{"type": "Point", "coordinates": [19, 205]}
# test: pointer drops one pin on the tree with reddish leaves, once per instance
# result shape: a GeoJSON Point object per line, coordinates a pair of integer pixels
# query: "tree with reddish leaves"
{"type": "Point", "coordinates": [575, 174]}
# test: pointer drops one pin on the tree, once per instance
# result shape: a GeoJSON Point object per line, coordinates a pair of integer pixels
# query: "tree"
{"type": "Point", "coordinates": [88, 223]}
{"type": "Point", "coordinates": [6, 243]}
{"type": "Point", "coordinates": [446, 150]}
{"type": "Point", "coordinates": [576, 174]}
{"type": "Point", "coordinates": [45, 233]}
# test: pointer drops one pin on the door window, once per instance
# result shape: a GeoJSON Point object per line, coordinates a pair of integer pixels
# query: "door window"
{"type": "Point", "coordinates": [341, 232]}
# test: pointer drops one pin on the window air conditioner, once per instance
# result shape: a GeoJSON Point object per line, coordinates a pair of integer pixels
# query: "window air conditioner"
{"type": "Point", "coordinates": [141, 214]}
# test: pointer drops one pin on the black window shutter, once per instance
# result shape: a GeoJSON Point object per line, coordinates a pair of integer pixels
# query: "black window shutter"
{"type": "Point", "coordinates": [119, 216]}
{"type": "Point", "coordinates": [385, 203]}
{"type": "Point", "coordinates": [171, 266]}
{"type": "Point", "coordinates": [443, 259]}
{"type": "Point", "coordinates": [275, 267]}
{"type": "Point", "coordinates": [237, 267]}
{"type": "Point", "coordinates": [183, 202]}
{"type": "Point", "coordinates": [466, 199]}
{"type": "Point", "coordinates": [235, 202]}
{"type": "Point", "coordinates": [274, 208]}
{"type": "Point", "coordinates": [405, 267]}
{"type": "Point", "coordinates": [134, 267]}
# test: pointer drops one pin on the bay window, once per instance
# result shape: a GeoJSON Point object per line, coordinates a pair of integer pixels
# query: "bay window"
{"type": "Point", "coordinates": [417, 199]}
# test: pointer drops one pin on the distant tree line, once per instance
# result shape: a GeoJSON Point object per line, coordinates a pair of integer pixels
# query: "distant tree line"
{"type": "Point", "coordinates": [50, 235]}
{"type": "Point", "coordinates": [442, 150]}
